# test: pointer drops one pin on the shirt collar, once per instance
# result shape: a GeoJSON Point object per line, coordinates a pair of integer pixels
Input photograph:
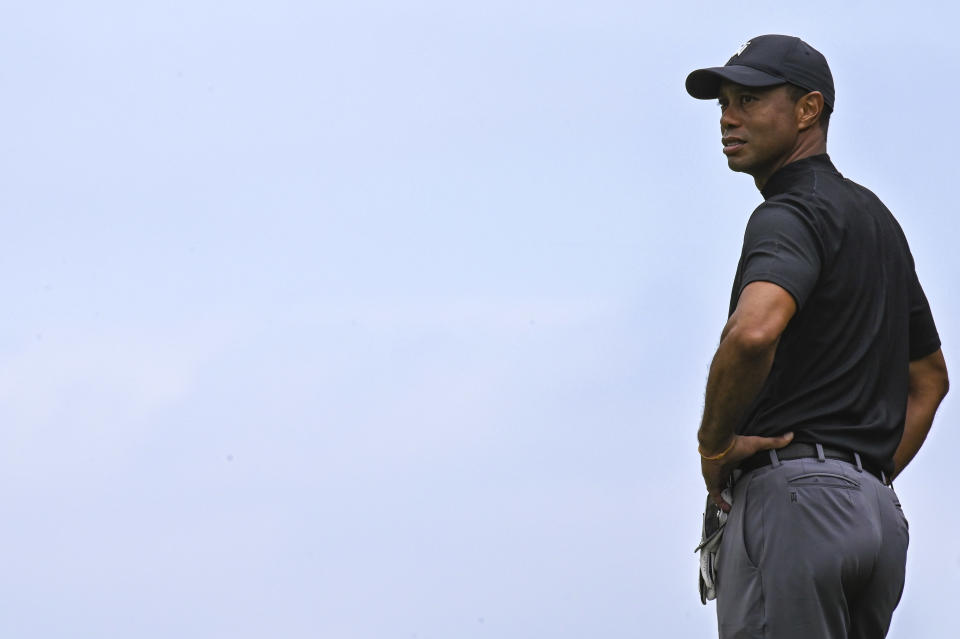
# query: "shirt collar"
{"type": "Point", "coordinates": [786, 176]}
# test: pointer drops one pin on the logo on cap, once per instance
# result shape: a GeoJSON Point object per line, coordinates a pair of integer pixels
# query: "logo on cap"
{"type": "Point", "coordinates": [742, 47]}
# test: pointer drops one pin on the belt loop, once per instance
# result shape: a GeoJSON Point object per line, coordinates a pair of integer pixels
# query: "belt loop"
{"type": "Point", "coordinates": [820, 456]}
{"type": "Point", "coordinates": [774, 459]}
{"type": "Point", "coordinates": [856, 458]}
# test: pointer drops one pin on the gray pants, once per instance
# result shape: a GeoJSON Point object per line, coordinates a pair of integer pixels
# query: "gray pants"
{"type": "Point", "coordinates": [812, 550]}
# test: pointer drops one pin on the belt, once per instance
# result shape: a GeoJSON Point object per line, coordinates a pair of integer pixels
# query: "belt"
{"type": "Point", "coordinates": [802, 450]}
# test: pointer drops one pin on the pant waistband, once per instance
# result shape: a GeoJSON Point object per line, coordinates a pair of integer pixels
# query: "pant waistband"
{"type": "Point", "coordinates": [803, 450]}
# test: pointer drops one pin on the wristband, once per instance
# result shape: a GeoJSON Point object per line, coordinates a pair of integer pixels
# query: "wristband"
{"type": "Point", "coordinates": [733, 442]}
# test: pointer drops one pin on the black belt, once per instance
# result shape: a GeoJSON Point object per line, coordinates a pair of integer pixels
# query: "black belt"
{"type": "Point", "coordinates": [802, 450]}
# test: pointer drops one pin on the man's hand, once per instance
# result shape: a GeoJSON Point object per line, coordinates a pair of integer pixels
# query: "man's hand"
{"type": "Point", "coordinates": [717, 473]}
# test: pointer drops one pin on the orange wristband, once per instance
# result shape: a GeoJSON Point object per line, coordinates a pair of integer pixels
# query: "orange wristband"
{"type": "Point", "coordinates": [721, 455]}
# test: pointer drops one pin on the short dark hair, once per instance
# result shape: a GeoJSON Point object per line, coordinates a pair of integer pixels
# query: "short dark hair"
{"type": "Point", "coordinates": [795, 93]}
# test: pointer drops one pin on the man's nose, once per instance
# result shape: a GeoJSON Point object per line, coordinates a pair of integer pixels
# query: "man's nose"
{"type": "Point", "coordinates": [729, 119]}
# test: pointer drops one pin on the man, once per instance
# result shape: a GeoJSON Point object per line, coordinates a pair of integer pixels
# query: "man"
{"type": "Point", "coordinates": [828, 374]}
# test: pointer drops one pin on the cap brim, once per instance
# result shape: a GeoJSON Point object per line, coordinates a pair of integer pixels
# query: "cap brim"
{"type": "Point", "coordinates": [704, 84]}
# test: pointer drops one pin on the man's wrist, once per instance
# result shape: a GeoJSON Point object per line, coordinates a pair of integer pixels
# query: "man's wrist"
{"type": "Point", "coordinates": [719, 453]}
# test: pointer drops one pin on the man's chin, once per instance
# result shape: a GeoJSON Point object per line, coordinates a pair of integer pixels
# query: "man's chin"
{"type": "Point", "coordinates": [738, 165]}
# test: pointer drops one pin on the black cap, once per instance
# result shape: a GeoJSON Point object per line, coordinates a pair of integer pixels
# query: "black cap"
{"type": "Point", "coordinates": [767, 61]}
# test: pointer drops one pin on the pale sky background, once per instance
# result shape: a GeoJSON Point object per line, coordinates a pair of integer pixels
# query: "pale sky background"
{"type": "Point", "coordinates": [389, 320]}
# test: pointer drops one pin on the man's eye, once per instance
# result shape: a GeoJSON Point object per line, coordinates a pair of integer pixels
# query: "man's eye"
{"type": "Point", "coordinates": [746, 98]}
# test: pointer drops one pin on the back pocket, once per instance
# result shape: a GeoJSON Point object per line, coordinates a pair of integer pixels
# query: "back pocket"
{"type": "Point", "coordinates": [823, 478]}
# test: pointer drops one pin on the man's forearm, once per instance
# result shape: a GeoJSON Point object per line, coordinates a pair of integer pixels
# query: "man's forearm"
{"type": "Point", "coordinates": [737, 374]}
{"type": "Point", "coordinates": [928, 386]}
{"type": "Point", "coordinates": [743, 361]}
{"type": "Point", "coordinates": [920, 411]}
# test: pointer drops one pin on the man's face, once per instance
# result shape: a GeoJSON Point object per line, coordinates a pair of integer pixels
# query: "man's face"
{"type": "Point", "coordinates": [758, 128]}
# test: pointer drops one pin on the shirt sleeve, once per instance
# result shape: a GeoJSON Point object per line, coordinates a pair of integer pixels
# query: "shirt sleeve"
{"type": "Point", "coordinates": [781, 246]}
{"type": "Point", "coordinates": [924, 338]}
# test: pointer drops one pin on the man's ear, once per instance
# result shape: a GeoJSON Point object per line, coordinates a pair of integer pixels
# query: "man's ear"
{"type": "Point", "coordinates": [808, 110]}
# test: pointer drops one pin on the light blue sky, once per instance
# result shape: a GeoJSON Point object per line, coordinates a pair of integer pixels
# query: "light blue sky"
{"type": "Point", "coordinates": [379, 320]}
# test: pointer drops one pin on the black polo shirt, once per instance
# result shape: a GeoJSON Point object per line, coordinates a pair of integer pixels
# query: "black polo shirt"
{"type": "Point", "coordinates": [840, 373]}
